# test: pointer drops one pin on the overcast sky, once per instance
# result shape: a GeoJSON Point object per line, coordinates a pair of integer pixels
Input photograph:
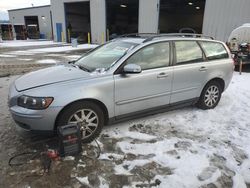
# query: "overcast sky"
{"type": "Point", "coordinates": [12, 4]}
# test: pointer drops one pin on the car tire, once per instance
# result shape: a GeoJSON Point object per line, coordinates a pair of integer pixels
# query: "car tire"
{"type": "Point", "coordinates": [74, 114]}
{"type": "Point", "coordinates": [210, 95]}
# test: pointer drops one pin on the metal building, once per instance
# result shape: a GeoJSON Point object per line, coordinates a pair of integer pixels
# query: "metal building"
{"type": "Point", "coordinates": [105, 19]}
{"type": "Point", "coordinates": [221, 17]}
{"type": "Point", "coordinates": [108, 18]}
{"type": "Point", "coordinates": [37, 21]}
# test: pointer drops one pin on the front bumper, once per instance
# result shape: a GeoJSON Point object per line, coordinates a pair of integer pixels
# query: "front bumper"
{"type": "Point", "coordinates": [32, 120]}
{"type": "Point", "coordinates": [35, 120]}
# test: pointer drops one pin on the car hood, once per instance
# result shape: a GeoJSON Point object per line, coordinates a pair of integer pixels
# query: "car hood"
{"type": "Point", "coordinates": [51, 75]}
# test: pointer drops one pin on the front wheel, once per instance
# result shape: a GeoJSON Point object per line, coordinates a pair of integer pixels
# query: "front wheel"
{"type": "Point", "coordinates": [87, 115]}
{"type": "Point", "coordinates": [210, 96]}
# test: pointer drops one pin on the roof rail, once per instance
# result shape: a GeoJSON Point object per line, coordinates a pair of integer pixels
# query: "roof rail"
{"type": "Point", "coordinates": [137, 35]}
{"type": "Point", "coordinates": [177, 35]}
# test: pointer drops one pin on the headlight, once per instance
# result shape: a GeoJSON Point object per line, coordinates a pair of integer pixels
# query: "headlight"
{"type": "Point", "coordinates": [35, 103]}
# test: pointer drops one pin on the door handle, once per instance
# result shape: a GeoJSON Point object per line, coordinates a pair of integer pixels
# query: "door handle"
{"type": "Point", "coordinates": [162, 75]}
{"type": "Point", "coordinates": [203, 69]}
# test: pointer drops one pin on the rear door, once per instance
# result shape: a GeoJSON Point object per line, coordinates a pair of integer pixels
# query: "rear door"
{"type": "Point", "coordinates": [148, 89]}
{"type": "Point", "coordinates": [189, 71]}
{"type": "Point", "coordinates": [219, 64]}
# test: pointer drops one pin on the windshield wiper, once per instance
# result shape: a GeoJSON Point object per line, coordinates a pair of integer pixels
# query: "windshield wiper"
{"type": "Point", "coordinates": [83, 68]}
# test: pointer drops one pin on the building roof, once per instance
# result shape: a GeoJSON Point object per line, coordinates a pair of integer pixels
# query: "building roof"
{"type": "Point", "coordinates": [29, 8]}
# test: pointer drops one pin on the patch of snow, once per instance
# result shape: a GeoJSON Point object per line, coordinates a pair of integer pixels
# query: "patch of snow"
{"type": "Point", "coordinates": [181, 166]}
{"type": "Point", "coordinates": [119, 169]}
{"type": "Point", "coordinates": [83, 180]}
{"type": "Point", "coordinates": [23, 43]}
{"type": "Point", "coordinates": [132, 135]}
{"type": "Point", "coordinates": [73, 57]}
{"type": "Point", "coordinates": [146, 148]}
{"type": "Point", "coordinates": [244, 170]}
{"type": "Point", "coordinates": [64, 48]}
{"type": "Point", "coordinates": [53, 55]}
{"type": "Point", "coordinates": [7, 55]}
{"type": "Point", "coordinates": [45, 61]}
{"type": "Point", "coordinates": [69, 158]}
{"type": "Point", "coordinates": [20, 52]}
{"type": "Point", "coordinates": [81, 165]}
{"type": "Point", "coordinates": [24, 59]}
{"type": "Point", "coordinates": [103, 183]}
{"type": "Point", "coordinates": [239, 181]}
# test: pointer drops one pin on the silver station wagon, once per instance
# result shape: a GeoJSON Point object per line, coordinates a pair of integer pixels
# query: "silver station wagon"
{"type": "Point", "coordinates": [127, 77]}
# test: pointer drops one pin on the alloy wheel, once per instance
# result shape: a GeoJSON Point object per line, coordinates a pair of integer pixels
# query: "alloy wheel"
{"type": "Point", "coordinates": [211, 96]}
{"type": "Point", "coordinates": [88, 121]}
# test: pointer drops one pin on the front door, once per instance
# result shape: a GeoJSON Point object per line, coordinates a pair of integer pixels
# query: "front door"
{"type": "Point", "coordinates": [148, 89]}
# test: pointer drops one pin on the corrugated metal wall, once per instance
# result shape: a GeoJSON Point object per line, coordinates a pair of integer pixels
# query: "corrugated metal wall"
{"type": "Point", "coordinates": [98, 20]}
{"type": "Point", "coordinates": [148, 16]}
{"type": "Point", "coordinates": [221, 17]}
{"type": "Point", "coordinates": [17, 17]}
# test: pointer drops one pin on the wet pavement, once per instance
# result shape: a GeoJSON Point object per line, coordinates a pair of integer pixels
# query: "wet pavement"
{"type": "Point", "coordinates": [19, 60]}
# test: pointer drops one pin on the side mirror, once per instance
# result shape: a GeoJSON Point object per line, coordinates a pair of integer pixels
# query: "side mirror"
{"type": "Point", "coordinates": [132, 69]}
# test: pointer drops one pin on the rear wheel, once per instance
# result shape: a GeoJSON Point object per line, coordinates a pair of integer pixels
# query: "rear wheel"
{"type": "Point", "coordinates": [87, 115]}
{"type": "Point", "coordinates": [210, 96]}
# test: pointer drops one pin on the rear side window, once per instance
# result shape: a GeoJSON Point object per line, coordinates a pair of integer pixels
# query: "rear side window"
{"type": "Point", "coordinates": [188, 52]}
{"type": "Point", "coordinates": [214, 50]}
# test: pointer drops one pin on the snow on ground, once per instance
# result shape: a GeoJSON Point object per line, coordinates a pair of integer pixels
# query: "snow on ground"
{"type": "Point", "coordinates": [64, 48]}
{"type": "Point", "coordinates": [200, 147]}
{"type": "Point", "coordinates": [25, 59]}
{"type": "Point", "coordinates": [53, 55]}
{"type": "Point", "coordinates": [20, 52]}
{"type": "Point", "coordinates": [50, 61]}
{"type": "Point", "coordinates": [22, 43]}
{"type": "Point", "coordinates": [74, 57]}
{"type": "Point", "coordinates": [7, 55]}
{"type": "Point", "coordinates": [49, 50]}
{"type": "Point", "coordinates": [183, 148]}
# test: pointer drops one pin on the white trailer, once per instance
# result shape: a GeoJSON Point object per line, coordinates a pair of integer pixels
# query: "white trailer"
{"type": "Point", "coordinates": [239, 42]}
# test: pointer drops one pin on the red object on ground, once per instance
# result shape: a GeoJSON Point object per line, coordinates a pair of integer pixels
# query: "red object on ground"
{"type": "Point", "coordinates": [53, 154]}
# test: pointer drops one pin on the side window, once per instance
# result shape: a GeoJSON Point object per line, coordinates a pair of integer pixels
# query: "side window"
{"type": "Point", "coordinates": [152, 56]}
{"type": "Point", "coordinates": [188, 52]}
{"type": "Point", "coordinates": [214, 50]}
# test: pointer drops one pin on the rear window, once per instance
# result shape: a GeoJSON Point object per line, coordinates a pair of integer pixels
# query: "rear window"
{"type": "Point", "coordinates": [214, 50]}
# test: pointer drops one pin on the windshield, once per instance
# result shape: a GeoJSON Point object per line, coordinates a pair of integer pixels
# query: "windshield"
{"type": "Point", "coordinates": [105, 56]}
